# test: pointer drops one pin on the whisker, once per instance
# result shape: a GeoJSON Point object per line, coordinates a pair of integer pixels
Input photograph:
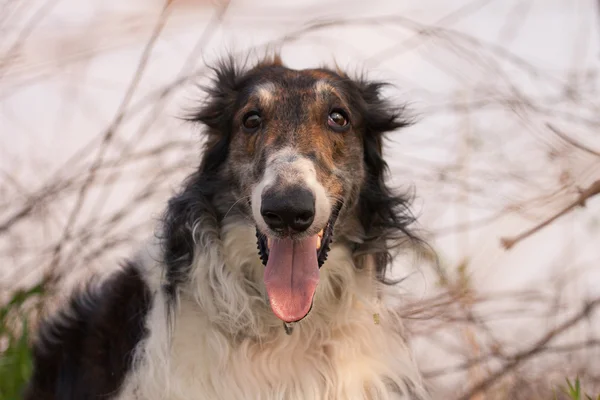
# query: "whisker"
{"type": "Point", "coordinates": [233, 205]}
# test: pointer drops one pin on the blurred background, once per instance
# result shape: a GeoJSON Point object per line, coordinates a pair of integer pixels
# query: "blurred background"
{"type": "Point", "coordinates": [504, 161]}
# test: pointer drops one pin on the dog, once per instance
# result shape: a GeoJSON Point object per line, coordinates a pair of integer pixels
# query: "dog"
{"type": "Point", "coordinates": [267, 276]}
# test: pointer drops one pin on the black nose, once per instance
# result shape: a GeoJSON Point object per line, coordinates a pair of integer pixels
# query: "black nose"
{"type": "Point", "coordinates": [292, 208]}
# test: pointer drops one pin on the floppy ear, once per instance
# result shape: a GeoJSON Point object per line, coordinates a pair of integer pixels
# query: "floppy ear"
{"type": "Point", "coordinates": [216, 113]}
{"type": "Point", "coordinates": [384, 215]}
{"type": "Point", "coordinates": [380, 117]}
{"type": "Point", "coordinates": [194, 201]}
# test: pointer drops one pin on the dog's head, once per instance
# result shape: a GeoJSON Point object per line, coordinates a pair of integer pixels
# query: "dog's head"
{"type": "Point", "coordinates": [301, 151]}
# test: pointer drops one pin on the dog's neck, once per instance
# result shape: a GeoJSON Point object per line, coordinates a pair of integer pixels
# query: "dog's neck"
{"type": "Point", "coordinates": [227, 284]}
{"type": "Point", "coordinates": [223, 315]}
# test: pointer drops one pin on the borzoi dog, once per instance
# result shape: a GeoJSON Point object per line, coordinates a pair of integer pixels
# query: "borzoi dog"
{"type": "Point", "coordinates": [267, 278]}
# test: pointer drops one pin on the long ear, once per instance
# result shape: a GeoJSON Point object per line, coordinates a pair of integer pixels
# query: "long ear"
{"type": "Point", "coordinates": [380, 117]}
{"type": "Point", "coordinates": [385, 215]}
{"type": "Point", "coordinates": [221, 97]}
{"type": "Point", "coordinates": [193, 205]}
{"type": "Point", "coordinates": [193, 214]}
{"type": "Point", "coordinates": [216, 113]}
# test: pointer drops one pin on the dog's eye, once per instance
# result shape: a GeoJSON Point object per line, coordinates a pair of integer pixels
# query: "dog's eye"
{"type": "Point", "coordinates": [337, 120]}
{"type": "Point", "coordinates": [252, 121]}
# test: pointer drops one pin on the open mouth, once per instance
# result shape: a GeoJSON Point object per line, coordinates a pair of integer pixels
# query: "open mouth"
{"type": "Point", "coordinates": [323, 241]}
{"type": "Point", "coordinates": [292, 269]}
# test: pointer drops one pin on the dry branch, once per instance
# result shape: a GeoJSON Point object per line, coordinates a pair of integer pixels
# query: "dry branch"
{"type": "Point", "coordinates": [109, 135]}
{"type": "Point", "coordinates": [572, 141]}
{"type": "Point", "coordinates": [584, 195]}
{"type": "Point", "coordinates": [538, 347]}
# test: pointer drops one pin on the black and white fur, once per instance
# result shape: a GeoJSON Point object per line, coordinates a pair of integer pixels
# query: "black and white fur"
{"type": "Point", "coordinates": [188, 316]}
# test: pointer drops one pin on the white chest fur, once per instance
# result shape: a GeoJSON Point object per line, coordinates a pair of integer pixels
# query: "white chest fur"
{"type": "Point", "coordinates": [338, 352]}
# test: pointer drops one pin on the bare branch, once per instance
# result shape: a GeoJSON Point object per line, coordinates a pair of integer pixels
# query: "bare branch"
{"type": "Point", "coordinates": [538, 347]}
{"type": "Point", "coordinates": [585, 194]}
{"type": "Point", "coordinates": [572, 141]}
{"type": "Point", "coordinates": [109, 134]}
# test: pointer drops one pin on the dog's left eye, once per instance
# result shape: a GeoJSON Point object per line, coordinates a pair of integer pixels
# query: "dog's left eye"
{"type": "Point", "coordinates": [337, 120]}
{"type": "Point", "coordinates": [252, 122]}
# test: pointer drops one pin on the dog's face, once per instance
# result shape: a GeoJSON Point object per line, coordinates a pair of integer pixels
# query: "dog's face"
{"type": "Point", "coordinates": [299, 147]}
{"type": "Point", "coordinates": [297, 150]}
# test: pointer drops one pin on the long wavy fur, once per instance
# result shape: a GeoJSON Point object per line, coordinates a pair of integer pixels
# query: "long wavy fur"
{"type": "Point", "coordinates": [385, 216]}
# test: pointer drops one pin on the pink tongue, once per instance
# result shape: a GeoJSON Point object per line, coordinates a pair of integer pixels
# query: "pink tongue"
{"type": "Point", "coordinates": [291, 277]}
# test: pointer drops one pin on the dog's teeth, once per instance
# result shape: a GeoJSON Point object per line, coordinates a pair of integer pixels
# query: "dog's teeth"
{"type": "Point", "coordinates": [319, 239]}
{"type": "Point", "coordinates": [269, 243]}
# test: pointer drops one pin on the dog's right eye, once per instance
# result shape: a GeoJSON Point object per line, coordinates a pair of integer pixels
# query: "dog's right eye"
{"type": "Point", "coordinates": [252, 122]}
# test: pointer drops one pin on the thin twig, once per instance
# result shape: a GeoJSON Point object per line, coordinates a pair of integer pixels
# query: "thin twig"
{"type": "Point", "coordinates": [585, 194]}
{"type": "Point", "coordinates": [566, 348]}
{"type": "Point", "coordinates": [24, 34]}
{"type": "Point", "coordinates": [572, 141]}
{"type": "Point", "coordinates": [538, 347]}
{"type": "Point", "coordinates": [109, 134]}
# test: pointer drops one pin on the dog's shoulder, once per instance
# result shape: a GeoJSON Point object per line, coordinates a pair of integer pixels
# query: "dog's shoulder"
{"type": "Point", "coordinates": [85, 350]}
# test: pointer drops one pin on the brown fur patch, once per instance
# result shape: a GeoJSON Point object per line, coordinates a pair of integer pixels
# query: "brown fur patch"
{"type": "Point", "coordinates": [294, 107]}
